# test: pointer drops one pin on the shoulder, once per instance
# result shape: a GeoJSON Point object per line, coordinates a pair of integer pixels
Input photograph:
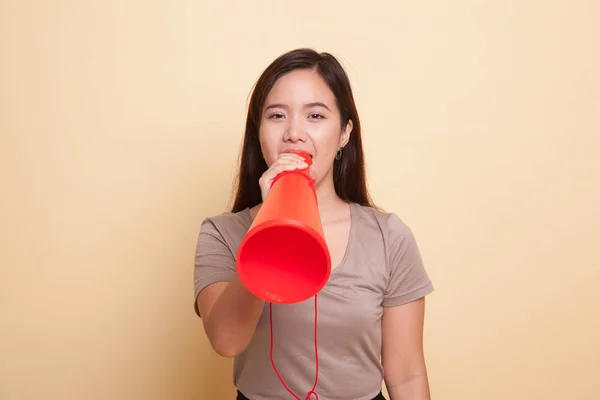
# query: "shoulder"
{"type": "Point", "coordinates": [406, 277]}
{"type": "Point", "coordinates": [388, 223]}
{"type": "Point", "coordinates": [385, 231]}
{"type": "Point", "coordinates": [227, 227]}
{"type": "Point", "coordinates": [228, 221]}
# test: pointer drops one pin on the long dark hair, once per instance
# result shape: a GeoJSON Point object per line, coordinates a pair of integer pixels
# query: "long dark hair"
{"type": "Point", "coordinates": [348, 172]}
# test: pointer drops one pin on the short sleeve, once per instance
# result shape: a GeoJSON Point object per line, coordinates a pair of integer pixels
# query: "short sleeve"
{"type": "Point", "coordinates": [408, 280]}
{"type": "Point", "coordinates": [214, 260]}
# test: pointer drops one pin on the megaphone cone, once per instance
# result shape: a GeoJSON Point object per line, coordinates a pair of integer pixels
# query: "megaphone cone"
{"type": "Point", "coordinates": [284, 257]}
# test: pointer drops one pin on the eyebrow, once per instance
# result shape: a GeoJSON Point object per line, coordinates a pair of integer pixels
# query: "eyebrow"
{"type": "Point", "coordinates": [308, 105]}
{"type": "Point", "coordinates": [317, 104]}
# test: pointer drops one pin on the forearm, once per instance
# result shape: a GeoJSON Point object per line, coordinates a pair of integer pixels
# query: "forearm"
{"type": "Point", "coordinates": [233, 319]}
{"type": "Point", "coordinates": [415, 387]}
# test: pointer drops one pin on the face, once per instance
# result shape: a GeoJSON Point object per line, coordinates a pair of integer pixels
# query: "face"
{"type": "Point", "coordinates": [300, 113]}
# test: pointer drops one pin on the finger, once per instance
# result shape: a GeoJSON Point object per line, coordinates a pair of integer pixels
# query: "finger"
{"type": "Point", "coordinates": [277, 169]}
{"type": "Point", "coordinates": [288, 161]}
{"type": "Point", "coordinates": [290, 156]}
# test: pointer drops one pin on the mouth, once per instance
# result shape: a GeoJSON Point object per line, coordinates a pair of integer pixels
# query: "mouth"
{"type": "Point", "coordinates": [297, 151]}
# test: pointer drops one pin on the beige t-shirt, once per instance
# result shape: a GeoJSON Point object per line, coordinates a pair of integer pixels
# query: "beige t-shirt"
{"type": "Point", "coordinates": [382, 267]}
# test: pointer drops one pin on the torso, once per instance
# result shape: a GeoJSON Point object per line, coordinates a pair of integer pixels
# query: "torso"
{"type": "Point", "coordinates": [349, 317]}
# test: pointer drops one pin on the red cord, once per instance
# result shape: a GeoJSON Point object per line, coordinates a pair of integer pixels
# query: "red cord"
{"type": "Point", "coordinates": [312, 391]}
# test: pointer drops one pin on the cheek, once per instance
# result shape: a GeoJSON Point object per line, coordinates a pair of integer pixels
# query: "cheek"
{"type": "Point", "coordinates": [268, 144]}
{"type": "Point", "coordinates": [324, 160]}
{"type": "Point", "coordinates": [326, 141]}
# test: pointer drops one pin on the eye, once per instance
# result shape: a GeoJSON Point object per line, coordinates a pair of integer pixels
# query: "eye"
{"type": "Point", "coordinates": [276, 116]}
{"type": "Point", "coordinates": [316, 116]}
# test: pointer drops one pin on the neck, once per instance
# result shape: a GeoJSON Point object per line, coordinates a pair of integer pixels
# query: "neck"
{"type": "Point", "coordinates": [327, 198]}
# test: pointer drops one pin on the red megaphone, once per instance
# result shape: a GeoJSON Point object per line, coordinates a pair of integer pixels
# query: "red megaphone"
{"type": "Point", "coordinates": [284, 257]}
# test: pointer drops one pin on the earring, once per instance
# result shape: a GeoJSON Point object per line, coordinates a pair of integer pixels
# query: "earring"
{"type": "Point", "coordinates": [338, 155]}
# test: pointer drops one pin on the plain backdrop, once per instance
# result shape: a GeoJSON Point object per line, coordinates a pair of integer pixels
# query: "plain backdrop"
{"type": "Point", "coordinates": [120, 126]}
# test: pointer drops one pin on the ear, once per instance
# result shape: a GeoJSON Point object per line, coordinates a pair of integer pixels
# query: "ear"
{"type": "Point", "coordinates": [345, 136]}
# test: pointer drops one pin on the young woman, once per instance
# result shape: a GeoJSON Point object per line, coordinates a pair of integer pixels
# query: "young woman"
{"type": "Point", "coordinates": [371, 311]}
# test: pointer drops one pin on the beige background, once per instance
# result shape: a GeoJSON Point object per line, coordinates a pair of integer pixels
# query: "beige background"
{"type": "Point", "coordinates": [120, 125]}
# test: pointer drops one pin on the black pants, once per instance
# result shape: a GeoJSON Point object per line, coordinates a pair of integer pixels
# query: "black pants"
{"type": "Point", "coordinates": [240, 396]}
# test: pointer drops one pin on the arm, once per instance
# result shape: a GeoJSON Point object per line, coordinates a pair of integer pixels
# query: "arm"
{"type": "Point", "coordinates": [228, 310]}
{"type": "Point", "coordinates": [230, 314]}
{"type": "Point", "coordinates": [402, 355]}
{"type": "Point", "coordinates": [405, 373]}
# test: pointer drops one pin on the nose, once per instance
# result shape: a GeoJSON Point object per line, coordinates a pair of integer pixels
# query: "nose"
{"type": "Point", "coordinates": [294, 131]}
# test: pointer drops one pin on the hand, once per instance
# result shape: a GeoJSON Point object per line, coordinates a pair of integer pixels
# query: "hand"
{"type": "Point", "coordinates": [285, 162]}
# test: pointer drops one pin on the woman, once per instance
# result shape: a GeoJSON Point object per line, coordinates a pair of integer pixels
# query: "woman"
{"type": "Point", "coordinates": [371, 311]}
